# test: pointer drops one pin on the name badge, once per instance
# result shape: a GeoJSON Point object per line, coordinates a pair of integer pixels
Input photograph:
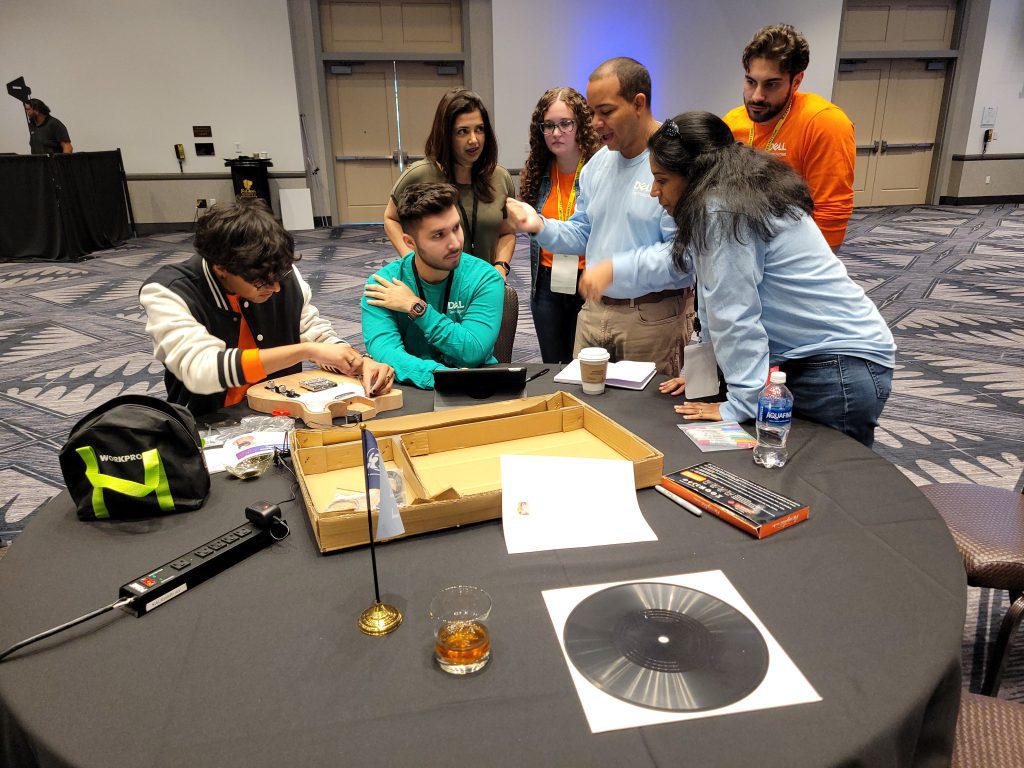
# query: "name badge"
{"type": "Point", "coordinates": [700, 367]}
{"type": "Point", "coordinates": [564, 270]}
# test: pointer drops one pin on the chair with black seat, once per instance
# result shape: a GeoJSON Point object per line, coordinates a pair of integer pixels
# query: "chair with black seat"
{"type": "Point", "coordinates": [988, 527]}
{"type": "Point", "coordinates": [989, 733]}
{"type": "Point", "coordinates": [509, 323]}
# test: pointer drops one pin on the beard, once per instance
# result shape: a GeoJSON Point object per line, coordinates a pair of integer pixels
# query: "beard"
{"type": "Point", "coordinates": [772, 112]}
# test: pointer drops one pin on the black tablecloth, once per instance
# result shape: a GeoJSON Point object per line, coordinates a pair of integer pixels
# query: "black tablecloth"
{"type": "Point", "coordinates": [264, 665]}
{"type": "Point", "coordinates": [62, 207]}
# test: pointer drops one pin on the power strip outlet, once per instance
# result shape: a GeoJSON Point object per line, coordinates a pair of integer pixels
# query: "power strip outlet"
{"type": "Point", "coordinates": [156, 587]}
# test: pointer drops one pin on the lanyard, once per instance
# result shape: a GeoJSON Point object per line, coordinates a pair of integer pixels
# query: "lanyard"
{"type": "Point", "coordinates": [778, 127]}
{"type": "Point", "coordinates": [563, 215]}
{"type": "Point", "coordinates": [472, 228]}
{"type": "Point", "coordinates": [447, 287]}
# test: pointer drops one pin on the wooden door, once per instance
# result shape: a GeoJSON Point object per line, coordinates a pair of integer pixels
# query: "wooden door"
{"type": "Point", "coordinates": [894, 104]}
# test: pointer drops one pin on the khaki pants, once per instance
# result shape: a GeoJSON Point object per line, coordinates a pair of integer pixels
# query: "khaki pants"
{"type": "Point", "coordinates": [653, 331]}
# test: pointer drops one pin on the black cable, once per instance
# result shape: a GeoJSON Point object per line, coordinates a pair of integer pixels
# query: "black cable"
{"type": "Point", "coordinates": [74, 622]}
{"type": "Point", "coordinates": [280, 463]}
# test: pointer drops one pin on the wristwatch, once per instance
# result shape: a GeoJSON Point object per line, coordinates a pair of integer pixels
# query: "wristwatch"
{"type": "Point", "coordinates": [417, 310]}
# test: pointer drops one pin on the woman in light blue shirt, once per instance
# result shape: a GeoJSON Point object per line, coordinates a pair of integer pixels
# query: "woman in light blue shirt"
{"type": "Point", "coordinates": [770, 291]}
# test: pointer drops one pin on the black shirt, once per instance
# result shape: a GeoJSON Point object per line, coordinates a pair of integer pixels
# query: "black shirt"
{"type": "Point", "coordinates": [46, 139]}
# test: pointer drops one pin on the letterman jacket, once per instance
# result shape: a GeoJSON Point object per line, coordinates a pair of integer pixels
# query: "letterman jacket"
{"type": "Point", "coordinates": [194, 330]}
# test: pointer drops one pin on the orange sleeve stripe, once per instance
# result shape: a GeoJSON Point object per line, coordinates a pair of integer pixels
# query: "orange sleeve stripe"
{"type": "Point", "coordinates": [252, 366]}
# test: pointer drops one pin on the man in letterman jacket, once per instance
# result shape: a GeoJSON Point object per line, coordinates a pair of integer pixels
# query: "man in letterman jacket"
{"type": "Point", "coordinates": [239, 311]}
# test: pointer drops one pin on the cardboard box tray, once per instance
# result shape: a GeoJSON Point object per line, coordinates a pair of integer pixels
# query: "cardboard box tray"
{"type": "Point", "coordinates": [450, 461]}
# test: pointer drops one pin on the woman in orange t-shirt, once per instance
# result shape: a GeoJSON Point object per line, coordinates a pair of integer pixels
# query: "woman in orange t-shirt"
{"type": "Point", "coordinates": [562, 139]}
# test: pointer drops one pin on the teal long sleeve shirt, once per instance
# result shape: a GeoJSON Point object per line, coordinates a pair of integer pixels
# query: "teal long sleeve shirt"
{"type": "Point", "coordinates": [460, 336]}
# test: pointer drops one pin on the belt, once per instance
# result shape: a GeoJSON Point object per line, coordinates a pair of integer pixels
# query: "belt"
{"type": "Point", "coordinates": [647, 298]}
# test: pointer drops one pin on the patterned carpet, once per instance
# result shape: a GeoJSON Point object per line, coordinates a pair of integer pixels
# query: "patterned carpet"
{"type": "Point", "coordinates": [950, 282]}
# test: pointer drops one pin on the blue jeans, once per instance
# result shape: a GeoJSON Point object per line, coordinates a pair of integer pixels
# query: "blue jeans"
{"type": "Point", "coordinates": [843, 392]}
{"type": "Point", "coordinates": [554, 317]}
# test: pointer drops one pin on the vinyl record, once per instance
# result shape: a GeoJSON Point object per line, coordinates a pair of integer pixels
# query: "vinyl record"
{"type": "Point", "coordinates": [665, 647]}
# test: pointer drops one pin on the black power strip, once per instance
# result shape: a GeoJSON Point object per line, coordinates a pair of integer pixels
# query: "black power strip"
{"type": "Point", "coordinates": [156, 587]}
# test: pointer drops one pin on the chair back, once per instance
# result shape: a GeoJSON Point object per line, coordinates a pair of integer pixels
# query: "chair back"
{"type": "Point", "coordinates": [509, 323]}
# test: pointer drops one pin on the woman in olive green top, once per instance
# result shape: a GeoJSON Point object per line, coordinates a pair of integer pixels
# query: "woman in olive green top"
{"type": "Point", "coordinates": [462, 150]}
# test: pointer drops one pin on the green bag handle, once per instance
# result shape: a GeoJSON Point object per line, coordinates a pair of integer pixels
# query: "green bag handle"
{"type": "Point", "coordinates": [154, 480]}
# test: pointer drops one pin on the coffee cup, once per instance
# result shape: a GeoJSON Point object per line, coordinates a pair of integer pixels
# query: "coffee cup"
{"type": "Point", "coordinates": [593, 369]}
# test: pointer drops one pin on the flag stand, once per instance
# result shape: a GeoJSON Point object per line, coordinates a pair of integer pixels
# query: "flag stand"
{"type": "Point", "coordinates": [380, 618]}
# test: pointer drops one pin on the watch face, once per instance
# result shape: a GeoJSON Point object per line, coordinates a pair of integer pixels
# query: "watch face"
{"type": "Point", "coordinates": [418, 308]}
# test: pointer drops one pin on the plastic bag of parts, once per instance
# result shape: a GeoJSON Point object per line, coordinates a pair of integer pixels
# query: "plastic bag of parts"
{"type": "Point", "coordinates": [250, 446]}
{"type": "Point", "coordinates": [349, 500]}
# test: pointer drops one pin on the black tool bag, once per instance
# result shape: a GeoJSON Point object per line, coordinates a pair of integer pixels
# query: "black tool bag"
{"type": "Point", "coordinates": [135, 456]}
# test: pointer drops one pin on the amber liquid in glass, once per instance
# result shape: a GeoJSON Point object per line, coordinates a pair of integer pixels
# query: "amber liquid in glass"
{"type": "Point", "coordinates": [462, 642]}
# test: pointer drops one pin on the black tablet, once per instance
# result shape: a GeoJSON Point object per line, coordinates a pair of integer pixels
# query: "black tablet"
{"type": "Point", "coordinates": [454, 388]}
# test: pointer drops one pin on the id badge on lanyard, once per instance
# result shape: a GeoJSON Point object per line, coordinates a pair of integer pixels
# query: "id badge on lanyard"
{"type": "Point", "coordinates": [700, 367]}
{"type": "Point", "coordinates": [564, 270]}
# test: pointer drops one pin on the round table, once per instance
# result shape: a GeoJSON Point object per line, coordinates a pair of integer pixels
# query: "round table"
{"type": "Point", "coordinates": [264, 666]}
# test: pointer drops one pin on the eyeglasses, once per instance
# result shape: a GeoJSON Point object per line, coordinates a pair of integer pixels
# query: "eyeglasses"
{"type": "Point", "coordinates": [259, 285]}
{"type": "Point", "coordinates": [671, 129]}
{"type": "Point", "coordinates": [565, 126]}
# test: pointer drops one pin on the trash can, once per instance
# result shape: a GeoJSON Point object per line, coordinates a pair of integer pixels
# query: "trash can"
{"type": "Point", "coordinates": [249, 178]}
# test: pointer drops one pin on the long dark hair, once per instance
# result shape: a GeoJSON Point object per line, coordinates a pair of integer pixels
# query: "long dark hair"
{"type": "Point", "coordinates": [539, 159]}
{"type": "Point", "coordinates": [459, 101]}
{"type": "Point", "coordinates": [749, 187]}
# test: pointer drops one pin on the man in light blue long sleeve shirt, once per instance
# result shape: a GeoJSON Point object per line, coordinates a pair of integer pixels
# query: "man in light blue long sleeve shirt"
{"type": "Point", "coordinates": [639, 306]}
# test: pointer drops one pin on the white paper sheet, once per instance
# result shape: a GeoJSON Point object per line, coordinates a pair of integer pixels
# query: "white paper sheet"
{"type": "Point", "coordinates": [783, 685]}
{"type": "Point", "coordinates": [554, 502]}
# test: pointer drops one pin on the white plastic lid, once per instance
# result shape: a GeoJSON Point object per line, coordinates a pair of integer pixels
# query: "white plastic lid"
{"type": "Point", "coordinates": [777, 377]}
{"type": "Point", "coordinates": [594, 355]}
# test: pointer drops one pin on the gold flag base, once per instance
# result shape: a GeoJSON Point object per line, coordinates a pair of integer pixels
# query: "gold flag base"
{"type": "Point", "coordinates": [379, 619]}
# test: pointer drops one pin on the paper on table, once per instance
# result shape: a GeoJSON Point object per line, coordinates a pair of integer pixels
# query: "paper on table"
{"type": "Point", "coordinates": [783, 685]}
{"type": "Point", "coordinates": [555, 502]}
{"type": "Point", "coordinates": [625, 374]}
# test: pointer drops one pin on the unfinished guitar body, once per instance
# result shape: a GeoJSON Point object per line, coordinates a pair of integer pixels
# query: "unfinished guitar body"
{"type": "Point", "coordinates": [320, 397]}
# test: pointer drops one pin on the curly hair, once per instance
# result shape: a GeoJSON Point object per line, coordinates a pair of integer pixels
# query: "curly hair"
{"type": "Point", "coordinates": [539, 159]}
{"type": "Point", "coordinates": [455, 102]}
{"type": "Point", "coordinates": [781, 43]}
{"type": "Point", "coordinates": [751, 189]}
{"type": "Point", "coordinates": [246, 239]}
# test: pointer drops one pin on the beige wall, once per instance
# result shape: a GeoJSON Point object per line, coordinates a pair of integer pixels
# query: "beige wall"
{"type": "Point", "coordinates": [173, 200]}
{"type": "Point", "coordinates": [986, 178]}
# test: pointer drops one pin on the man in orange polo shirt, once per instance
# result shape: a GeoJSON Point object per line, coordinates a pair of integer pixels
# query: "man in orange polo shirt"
{"type": "Point", "coordinates": [239, 311]}
{"type": "Point", "coordinates": [809, 133]}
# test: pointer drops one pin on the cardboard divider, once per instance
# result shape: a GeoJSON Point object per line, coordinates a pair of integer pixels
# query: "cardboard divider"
{"type": "Point", "coordinates": [451, 465]}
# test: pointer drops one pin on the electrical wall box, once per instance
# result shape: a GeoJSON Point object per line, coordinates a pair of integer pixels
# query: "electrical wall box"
{"type": "Point", "coordinates": [201, 202]}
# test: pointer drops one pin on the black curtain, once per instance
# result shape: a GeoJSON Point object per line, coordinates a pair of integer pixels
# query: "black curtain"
{"type": "Point", "coordinates": [29, 219]}
{"type": "Point", "coordinates": [62, 207]}
{"type": "Point", "coordinates": [91, 195]}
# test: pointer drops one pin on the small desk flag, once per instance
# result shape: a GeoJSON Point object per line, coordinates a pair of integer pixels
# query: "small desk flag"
{"type": "Point", "coordinates": [389, 520]}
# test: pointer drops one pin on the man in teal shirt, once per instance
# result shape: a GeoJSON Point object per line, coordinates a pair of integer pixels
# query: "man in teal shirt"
{"type": "Point", "coordinates": [436, 307]}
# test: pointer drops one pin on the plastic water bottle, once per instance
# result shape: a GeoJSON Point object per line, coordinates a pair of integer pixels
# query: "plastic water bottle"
{"type": "Point", "coordinates": [774, 417]}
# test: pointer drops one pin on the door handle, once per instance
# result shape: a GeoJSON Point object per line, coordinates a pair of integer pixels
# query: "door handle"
{"type": "Point", "coordinates": [886, 146]}
{"type": "Point", "coordinates": [871, 148]}
{"type": "Point", "coordinates": [389, 158]}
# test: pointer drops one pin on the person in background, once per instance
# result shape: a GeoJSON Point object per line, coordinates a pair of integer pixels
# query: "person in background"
{"type": "Point", "coordinates": [810, 134]}
{"type": "Point", "coordinates": [238, 311]}
{"type": "Point", "coordinates": [769, 289]}
{"type": "Point", "coordinates": [639, 306]}
{"type": "Point", "coordinates": [436, 307]}
{"type": "Point", "coordinates": [462, 150]}
{"type": "Point", "coordinates": [562, 140]}
{"type": "Point", "coordinates": [47, 134]}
